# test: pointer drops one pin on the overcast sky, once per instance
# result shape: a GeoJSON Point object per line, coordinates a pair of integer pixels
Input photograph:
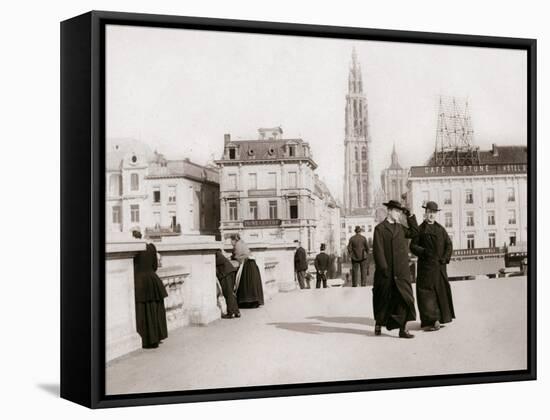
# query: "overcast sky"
{"type": "Point", "coordinates": [179, 91]}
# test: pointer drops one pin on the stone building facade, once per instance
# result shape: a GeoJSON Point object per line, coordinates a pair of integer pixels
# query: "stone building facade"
{"type": "Point", "coordinates": [394, 179]}
{"type": "Point", "coordinates": [483, 205]}
{"type": "Point", "coordinates": [160, 197]}
{"type": "Point", "coordinates": [267, 189]}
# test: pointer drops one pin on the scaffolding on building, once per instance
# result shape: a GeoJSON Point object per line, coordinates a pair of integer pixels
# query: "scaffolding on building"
{"type": "Point", "coordinates": [454, 140]}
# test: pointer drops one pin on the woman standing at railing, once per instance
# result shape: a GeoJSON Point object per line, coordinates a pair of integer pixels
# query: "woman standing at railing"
{"type": "Point", "coordinates": [149, 296]}
{"type": "Point", "coordinates": [250, 292]}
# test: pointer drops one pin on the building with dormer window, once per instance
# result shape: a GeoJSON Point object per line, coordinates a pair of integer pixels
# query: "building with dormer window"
{"type": "Point", "coordinates": [267, 189]}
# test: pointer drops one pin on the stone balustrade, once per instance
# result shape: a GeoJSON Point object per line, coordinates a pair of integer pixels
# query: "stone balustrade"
{"type": "Point", "coordinates": [188, 272]}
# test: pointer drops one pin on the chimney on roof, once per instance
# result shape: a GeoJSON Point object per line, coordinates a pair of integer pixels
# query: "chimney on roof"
{"type": "Point", "coordinates": [495, 150]}
{"type": "Point", "coordinates": [226, 138]}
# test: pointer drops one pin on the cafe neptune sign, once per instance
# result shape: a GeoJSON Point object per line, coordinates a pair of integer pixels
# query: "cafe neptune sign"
{"type": "Point", "coordinates": [467, 170]}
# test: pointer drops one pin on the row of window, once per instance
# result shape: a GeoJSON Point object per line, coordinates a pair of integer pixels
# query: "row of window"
{"type": "Point", "coordinates": [253, 209]}
{"type": "Point", "coordinates": [233, 152]}
{"type": "Point", "coordinates": [470, 219]}
{"type": "Point", "coordinates": [171, 194]}
{"type": "Point", "coordinates": [350, 228]}
{"type": "Point", "coordinates": [117, 214]}
{"type": "Point", "coordinates": [115, 184]}
{"type": "Point", "coordinates": [270, 181]}
{"type": "Point", "coordinates": [469, 196]}
{"type": "Point", "coordinates": [471, 239]}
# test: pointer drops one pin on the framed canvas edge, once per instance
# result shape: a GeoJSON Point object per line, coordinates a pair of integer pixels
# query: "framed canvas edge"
{"type": "Point", "coordinates": [96, 305]}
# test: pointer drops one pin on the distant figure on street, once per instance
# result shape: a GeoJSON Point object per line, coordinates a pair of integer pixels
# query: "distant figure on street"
{"type": "Point", "coordinates": [149, 297]}
{"type": "Point", "coordinates": [358, 251]}
{"type": "Point", "coordinates": [226, 272]}
{"type": "Point", "coordinates": [300, 265]}
{"type": "Point", "coordinates": [434, 248]}
{"type": "Point", "coordinates": [321, 263]}
{"type": "Point", "coordinates": [250, 292]}
{"type": "Point", "coordinates": [393, 299]}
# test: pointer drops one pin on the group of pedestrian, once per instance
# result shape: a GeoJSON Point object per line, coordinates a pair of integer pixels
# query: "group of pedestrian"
{"type": "Point", "coordinates": [321, 263]}
{"type": "Point", "coordinates": [241, 283]}
{"type": "Point", "coordinates": [393, 299]}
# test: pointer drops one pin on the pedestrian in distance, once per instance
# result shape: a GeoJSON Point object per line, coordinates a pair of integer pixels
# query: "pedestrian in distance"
{"type": "Point", "coordinates": [434, 248]}
{"type": "Point", "coordinates": [358, 250]}
{"type": "Point", "coordinates": [393, 299]}
{"type": "Point", "coordinates": [149, 297]}
{"type": "Point", "coordinates": [321, 263]}
{"type": "Point", "coordinates": [226, 272]}
{"type": "Point", "coordinates": [300, 265]}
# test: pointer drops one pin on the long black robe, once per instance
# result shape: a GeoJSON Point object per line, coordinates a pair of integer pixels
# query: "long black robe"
{"type": "Point", "coordinates": [250, 293]}
{"type": "Point", "coordinates": [149, 297]}
{"type": "Point", "coordinates": [434, 248]}
{"type": "Point", "coordinates": [393, 299]}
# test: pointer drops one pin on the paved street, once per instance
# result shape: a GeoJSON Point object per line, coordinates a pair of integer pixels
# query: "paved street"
{"type": "Point", "coordinates": [327, 334]}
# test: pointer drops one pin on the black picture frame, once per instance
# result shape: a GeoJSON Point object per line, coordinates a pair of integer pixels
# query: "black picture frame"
{"type": "Point", "coordinates": [83, 220]}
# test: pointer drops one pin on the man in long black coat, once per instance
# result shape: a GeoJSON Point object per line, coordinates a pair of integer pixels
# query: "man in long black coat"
{"type": "Point", "coordinates": [226, 272]}
{"type": "Point", "coordinates": [300, 265]}
{"type": "Point", "coordinates": [358, 250]}
{"type": "Point", "coordinates": [393, 299]}
{"type": "Point", "coordinates": [322, 261]}
{"type": "Point", "coordinates": [434, 248]}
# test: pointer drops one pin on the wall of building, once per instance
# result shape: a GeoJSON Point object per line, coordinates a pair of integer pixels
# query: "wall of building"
{"type": "Point", "coordinates": [433, 189]}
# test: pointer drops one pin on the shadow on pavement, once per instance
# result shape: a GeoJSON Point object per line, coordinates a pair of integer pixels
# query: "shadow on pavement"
{"type": "Point", "coordinates": [345, 320]}
{"type": "Point", "coordinates": [317, 328]}
{"type": "Point", "coordinates": [52, 389]}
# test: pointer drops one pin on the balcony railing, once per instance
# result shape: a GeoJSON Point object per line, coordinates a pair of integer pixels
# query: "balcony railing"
{"type": "Point", "coordinates": [158, 231]}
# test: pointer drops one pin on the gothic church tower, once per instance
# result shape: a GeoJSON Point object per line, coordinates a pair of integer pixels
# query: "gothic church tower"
{"type": "Point", "coordinates": [358, 187]}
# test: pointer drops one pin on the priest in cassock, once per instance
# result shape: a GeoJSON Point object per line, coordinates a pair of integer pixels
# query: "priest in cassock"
{"type": "Point", "coordinates": [434, 248]}
{"type": "Point", "coordinates": [393, 299]}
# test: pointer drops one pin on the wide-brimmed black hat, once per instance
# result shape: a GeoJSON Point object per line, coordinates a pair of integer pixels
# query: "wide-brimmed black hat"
{"type": "Point", "coordinates": [392, 204]}
{"type": "Point", "coordinates": [431, 205]}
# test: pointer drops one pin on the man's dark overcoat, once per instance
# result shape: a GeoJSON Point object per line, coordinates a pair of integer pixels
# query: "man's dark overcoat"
{"type": "Point", "coordinates": [434, 248]}
{"type": "Point", "coordinates": [300, 259]}
{"type": "Point", "coordinates": [358, 248]}
{"type": "Point", "coordinates": [393, 299]}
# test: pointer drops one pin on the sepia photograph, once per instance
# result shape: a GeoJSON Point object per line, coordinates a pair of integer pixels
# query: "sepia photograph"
{"type": "Point", "coordinates": [285, 209]}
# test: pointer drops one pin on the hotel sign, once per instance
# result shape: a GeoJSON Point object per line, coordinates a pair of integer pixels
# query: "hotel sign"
{"type": "Point", "coordinates": [468, 170]}
{"type": "Point", "coordinates": [262, 222]}
{"type": "Point", "coordinates": [477, 252]}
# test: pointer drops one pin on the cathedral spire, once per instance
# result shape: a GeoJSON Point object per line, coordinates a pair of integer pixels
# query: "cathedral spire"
{"type": "Point", "coordinates": [358, 193]}
{"type": "Point", "coordinates": [394, 159]}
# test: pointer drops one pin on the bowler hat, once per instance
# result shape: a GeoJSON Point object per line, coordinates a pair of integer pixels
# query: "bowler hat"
{"type": "Point", "coordinates": [392, 204]}
{"type": "Point", "coordinates": [431, 205]}
{"type": "Point", "coordinates": [357, 229]}
{"type": "Point", "coordinates": [323, 247]}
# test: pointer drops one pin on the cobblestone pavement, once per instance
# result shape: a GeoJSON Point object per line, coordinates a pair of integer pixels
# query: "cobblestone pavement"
{"type": "Point", "coordinates": [327, 335]}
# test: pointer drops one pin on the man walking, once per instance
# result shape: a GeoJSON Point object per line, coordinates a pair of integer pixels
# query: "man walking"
{"type": "Point", "coordinates": [300, 264]}
{"type": "Point", "coordinates": [434, 248]}
{"type": "Point", "coordinates": [322, 261]}
{"type": "Point", "coordinates": [393, 299]}
{"type": "Point", "coordinates": [358, 250]}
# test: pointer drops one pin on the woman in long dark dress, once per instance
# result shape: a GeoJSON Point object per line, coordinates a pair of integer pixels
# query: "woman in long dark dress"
{"type": "Point", "coordinates": [250, 293]}
{"type": "Point", "coordinates": [149, 297]}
